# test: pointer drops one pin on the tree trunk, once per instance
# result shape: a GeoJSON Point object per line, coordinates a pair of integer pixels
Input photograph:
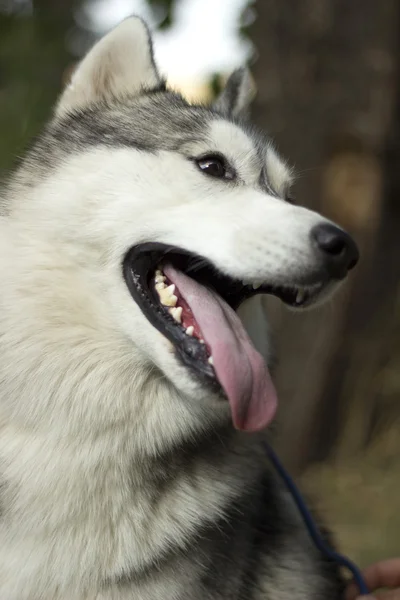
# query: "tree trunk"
{"type": "Point", "coordinates": [326, 77]}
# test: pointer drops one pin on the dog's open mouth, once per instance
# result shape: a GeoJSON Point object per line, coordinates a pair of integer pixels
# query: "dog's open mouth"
{"type": "Point", "coordinates": [193, 305]}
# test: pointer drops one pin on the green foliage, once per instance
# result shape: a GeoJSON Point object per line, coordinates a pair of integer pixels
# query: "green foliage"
{"type": "Point", "coordinates": [167, 8]}
{"type": "Point", "coordinates": [215, 85]}
{"type": "Point", "coordinates": [33, 58]}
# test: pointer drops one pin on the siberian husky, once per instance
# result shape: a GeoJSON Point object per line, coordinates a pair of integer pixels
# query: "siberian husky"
{"type": "Point", "coordinates": [132, 400]}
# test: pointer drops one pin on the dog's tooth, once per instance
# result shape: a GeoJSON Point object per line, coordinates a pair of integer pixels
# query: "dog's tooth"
{"type": "Point", "coordinates": [160, 285]}
{"type": "Point", "coordinates": [168, 300]}
{"type": "Point", "coordinates": [167, 296]}
{"type": "Point", "coordinates": [159, 278]}
{"type": "Point", "coordinates": [201, 341]}
{"type": "Point", "coordinates": [300, 295]}
{"type": "Point", "coordinates": [176, 313]}
{"type": "Point", "coordinates": [190, 330]}
{"type": "Point", "coordinates": [256, 286]}
{"type": "Point", "coordinates": [211, 360]}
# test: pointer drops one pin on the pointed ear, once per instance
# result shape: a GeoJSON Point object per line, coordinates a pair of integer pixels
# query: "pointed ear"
{"type": "Point", "coordinates": [235, 98]}
{"type": "Point", "coordinates": [121, 63]}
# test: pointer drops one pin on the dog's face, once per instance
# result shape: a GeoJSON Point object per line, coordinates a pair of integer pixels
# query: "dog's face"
{"type": "Point", "coordinates": [159, 219]}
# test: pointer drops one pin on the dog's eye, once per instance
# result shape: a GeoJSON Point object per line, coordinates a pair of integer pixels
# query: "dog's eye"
{"type": "Point", "coordinates": [215, 166]}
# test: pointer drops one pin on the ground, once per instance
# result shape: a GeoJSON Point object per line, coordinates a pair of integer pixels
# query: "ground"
{"type": "Point", "coordinates": [360, 500]}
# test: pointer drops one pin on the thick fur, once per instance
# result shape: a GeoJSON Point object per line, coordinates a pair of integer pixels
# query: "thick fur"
{"type": "Point", "coordinates": [121, 476]}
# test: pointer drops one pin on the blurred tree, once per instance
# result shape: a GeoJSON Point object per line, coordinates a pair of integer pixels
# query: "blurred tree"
{"type": "Point", "coordinates": [328, 73]}
{"type": "Point", "coordinates": [167, 9]}
{"type": "Point", "coordinates": [33, 59]}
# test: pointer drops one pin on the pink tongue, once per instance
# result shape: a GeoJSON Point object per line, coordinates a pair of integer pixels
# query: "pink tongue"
{"type": "Point", "coordinates": [240, 369]}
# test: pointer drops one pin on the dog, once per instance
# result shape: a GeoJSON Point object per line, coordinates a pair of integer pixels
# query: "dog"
{"type": "Point", "coordinates": [133, 402]}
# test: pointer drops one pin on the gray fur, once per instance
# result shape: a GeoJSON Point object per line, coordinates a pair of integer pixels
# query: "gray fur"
{"type": "Point", "coordinates": [155, 120]}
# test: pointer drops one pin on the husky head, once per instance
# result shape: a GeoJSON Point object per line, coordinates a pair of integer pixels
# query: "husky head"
{"type": "Point", "coordinates": [137, 225]}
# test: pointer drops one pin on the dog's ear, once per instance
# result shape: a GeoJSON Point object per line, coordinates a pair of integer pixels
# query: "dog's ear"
{"type": "Point", "coordinates": [120, 64]}
{"type": "Point", "coordinates": [237, 95]}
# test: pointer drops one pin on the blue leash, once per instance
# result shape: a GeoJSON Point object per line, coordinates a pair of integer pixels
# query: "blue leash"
{"type": "Point", "coordinates": [312, 528]}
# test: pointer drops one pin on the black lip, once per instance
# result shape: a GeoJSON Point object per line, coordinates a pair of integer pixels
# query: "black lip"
{"type": "Point", "coordinates": [139, 266]}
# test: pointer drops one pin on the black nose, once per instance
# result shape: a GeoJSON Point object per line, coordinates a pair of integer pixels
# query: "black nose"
{"type": "Point", "coordinates": [340, 252]}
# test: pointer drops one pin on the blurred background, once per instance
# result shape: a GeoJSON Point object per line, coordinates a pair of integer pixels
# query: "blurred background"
{"type": "Point", "coordinates": [327, 74]}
